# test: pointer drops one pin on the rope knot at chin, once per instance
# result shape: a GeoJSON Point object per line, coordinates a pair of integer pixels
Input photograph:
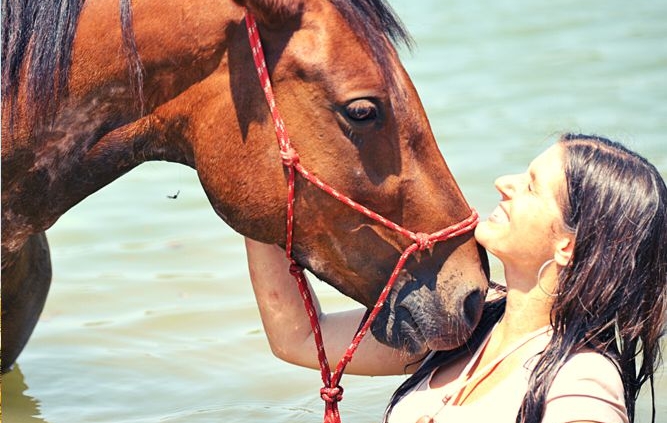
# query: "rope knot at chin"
{"type": "Point", "coordinates": [289, 156]}
{"type": "Point", "coordinates": [423, 241]}
{"type": "Point", "coordinates": [295, 269]}
{"type": "Point", "coordinates": [334, 394]}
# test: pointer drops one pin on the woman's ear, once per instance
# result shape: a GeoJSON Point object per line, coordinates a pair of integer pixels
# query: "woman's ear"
{"type": "Point", "coordinates": [272, 13]}
{"type": "Point", "coordinates": [564, 250]}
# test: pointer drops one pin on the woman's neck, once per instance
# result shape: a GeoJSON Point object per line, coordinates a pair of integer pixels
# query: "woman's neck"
{"type": "Point", "coordinates": [524, 313]}
{"type": "Point", "coordinates": [527, 309]}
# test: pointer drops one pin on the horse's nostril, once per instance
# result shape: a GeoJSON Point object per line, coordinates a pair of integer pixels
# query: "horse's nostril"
{"type": "Point", "coordinates": [472, 307]}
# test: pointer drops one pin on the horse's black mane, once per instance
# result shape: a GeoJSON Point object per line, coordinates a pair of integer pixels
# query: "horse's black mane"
{"type": "Point", "coordinates": [41, 33]}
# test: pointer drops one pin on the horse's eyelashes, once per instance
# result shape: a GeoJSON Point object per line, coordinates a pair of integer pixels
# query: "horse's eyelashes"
{"type": "Point", "coordinates": [362, 113]}
{"type": "Point", "coordinates": [361, 110]}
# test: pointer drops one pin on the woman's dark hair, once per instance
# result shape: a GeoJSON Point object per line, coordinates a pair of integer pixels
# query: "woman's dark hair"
{"type": "Point", "coordinates": [612, 298]}
{"type": "Point", "coordinates": [615, 204]}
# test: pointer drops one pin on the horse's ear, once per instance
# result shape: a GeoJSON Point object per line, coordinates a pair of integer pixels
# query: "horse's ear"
{"type": "Point", "coordinates": [272, 13]}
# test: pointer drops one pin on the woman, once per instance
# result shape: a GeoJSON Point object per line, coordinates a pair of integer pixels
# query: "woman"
{"type": "Point", "coordinates": [581, 235]}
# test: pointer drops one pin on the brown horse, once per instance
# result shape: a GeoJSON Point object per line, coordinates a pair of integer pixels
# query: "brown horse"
{"type": "Point", "coordinates": [71, 126]}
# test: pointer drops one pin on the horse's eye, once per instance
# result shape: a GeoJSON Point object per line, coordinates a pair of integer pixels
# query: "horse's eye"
{"type": "Point", "coordinates": [361, 110]}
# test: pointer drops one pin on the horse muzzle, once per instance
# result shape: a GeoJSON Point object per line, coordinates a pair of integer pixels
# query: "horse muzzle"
{"type": "Point", "coordinates": [416, 318]}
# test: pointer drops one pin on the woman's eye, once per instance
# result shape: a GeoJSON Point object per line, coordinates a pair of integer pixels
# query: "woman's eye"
{"type": "Point", "coordinates": [361, 110]}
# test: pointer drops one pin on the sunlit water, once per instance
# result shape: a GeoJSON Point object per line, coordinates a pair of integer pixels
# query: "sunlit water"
{"type": "Point", "coordinates": [151, 317]}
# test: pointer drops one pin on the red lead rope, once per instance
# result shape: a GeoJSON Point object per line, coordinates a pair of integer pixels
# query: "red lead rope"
{"type": "Point", "coordinates": [332, 392]}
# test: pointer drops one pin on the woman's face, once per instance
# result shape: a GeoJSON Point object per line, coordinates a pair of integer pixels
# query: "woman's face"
{"type": "Point", "coordinates": [522, 230]}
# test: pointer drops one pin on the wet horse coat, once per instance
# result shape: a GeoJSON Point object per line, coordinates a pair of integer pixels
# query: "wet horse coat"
{"type": "Point", "coordinates": [351, 111]}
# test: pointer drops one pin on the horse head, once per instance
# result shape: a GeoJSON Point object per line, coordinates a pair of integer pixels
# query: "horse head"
{"type": "Point", "coordinates": [351, 111]}
{"type": "Point", "coordinates": [356, 121]}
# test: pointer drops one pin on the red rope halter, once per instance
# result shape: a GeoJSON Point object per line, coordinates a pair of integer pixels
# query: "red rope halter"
{"type": "Point", "coordinates": [332, 392]}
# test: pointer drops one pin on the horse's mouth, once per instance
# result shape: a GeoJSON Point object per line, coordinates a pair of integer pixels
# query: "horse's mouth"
{"type": "Point", "coordinates": [398, 329]}
{"type": "Point", "coordinates": [415, 321]}
{"type": "Point", "coordinates": [396, 326]}
{"type": "Point", "coordinates": [410, 337]}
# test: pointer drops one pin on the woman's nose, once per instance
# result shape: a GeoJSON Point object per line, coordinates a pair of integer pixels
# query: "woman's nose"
{"type": "Point", "coordinates": [506, 185]}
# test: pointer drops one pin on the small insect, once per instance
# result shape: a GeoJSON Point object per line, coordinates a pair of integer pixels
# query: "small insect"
{"type": "Point", "coordinates": [175, 196]}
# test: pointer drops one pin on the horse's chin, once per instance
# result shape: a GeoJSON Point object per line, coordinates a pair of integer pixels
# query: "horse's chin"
{"type": "Point", "coordinates": [404, 334]}
{"type": "Point", "coordinates": [414, 329]}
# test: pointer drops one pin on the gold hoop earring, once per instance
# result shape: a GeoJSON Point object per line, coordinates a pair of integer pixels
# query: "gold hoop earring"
{"type": "Point", "coordinates": [539, 278]}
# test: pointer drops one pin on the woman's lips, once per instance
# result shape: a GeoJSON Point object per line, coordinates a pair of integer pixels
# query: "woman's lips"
{"type": "Point", "coordinates": [499, 215]}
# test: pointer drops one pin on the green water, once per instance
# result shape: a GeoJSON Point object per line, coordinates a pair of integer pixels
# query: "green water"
{"type": "Point", "coordinates": [151, 317]}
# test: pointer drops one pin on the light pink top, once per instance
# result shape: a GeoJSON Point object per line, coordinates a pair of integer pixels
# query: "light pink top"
{"type": "Point", "coordinates": [588, 387]}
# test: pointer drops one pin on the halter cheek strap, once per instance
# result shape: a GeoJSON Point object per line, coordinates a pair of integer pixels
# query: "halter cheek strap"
{"type": "Point", "coordinates": [332, 392]}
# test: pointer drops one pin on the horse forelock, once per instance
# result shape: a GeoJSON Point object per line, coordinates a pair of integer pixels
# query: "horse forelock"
{"type": "Point", "coordinates": [376, 21]}
{"type": "Point", "coordinates": [374, 18]}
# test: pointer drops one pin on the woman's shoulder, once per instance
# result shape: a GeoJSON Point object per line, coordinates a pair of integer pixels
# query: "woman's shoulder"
{"type": "Point", "coordinates": [587, 387]}
{"type": "Point", "coordinates": [591, 363]}
{"type": "Point", "coordinates": [588, 371]}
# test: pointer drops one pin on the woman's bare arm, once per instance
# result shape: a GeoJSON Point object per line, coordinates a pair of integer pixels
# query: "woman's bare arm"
{"type": "Point", "coordinates": [288, 328]}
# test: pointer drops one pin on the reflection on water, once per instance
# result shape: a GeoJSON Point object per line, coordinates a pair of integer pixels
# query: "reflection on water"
{"type": "Point", "coordinates": [17, 405]}
{"type": "Point", "coordinates": [151, 316]}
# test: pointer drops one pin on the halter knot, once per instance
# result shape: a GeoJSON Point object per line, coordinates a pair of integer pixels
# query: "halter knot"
{"type": "Point", "coordinates": [332, 395]}
{"type": "Point", "coordinates": [295, 269]}
{"type": "Point", "coordinates": [423, 241]}
{"type": "Point", "coordinates": [289, 156]}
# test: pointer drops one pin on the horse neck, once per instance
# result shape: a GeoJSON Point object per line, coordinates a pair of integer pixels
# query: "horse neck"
{"type": "Point", "coordinates": [97, 133]}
